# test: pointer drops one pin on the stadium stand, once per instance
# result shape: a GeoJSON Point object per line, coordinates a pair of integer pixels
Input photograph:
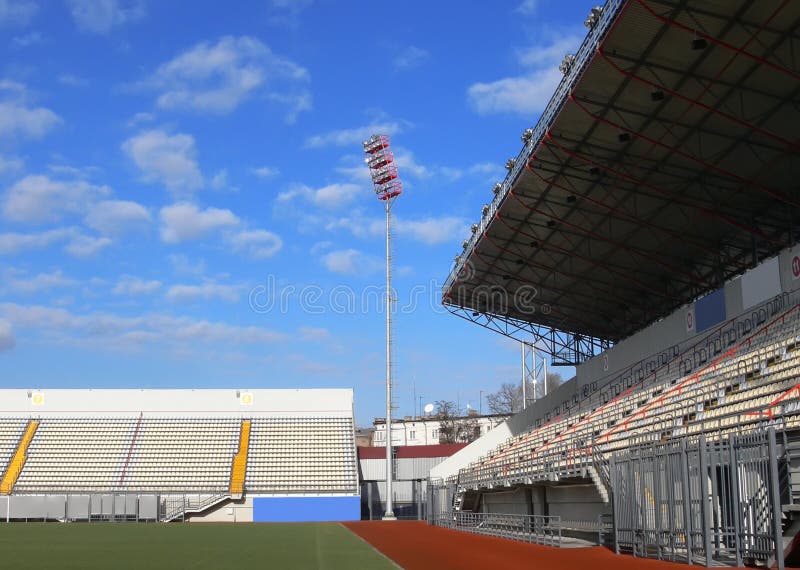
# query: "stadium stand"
{"type": "Point", "coordinates": [11, 431]}
{"type": "Point", "coordinates": [302, 455]}
{"type": "Point", "coordinates": [200, 458]}
{"type": "Point", "coordinates": [644, 235]}
{"type": "Point", "coordinates": [742, 386]}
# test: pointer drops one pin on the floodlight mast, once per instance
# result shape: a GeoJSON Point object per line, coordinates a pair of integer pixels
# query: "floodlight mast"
{"type": "Point", "coordinates": [387, 186]}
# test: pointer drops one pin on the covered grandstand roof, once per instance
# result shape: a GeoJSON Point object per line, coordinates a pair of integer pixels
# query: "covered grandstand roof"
{"type": "Point", "coordinates": [666, 162]}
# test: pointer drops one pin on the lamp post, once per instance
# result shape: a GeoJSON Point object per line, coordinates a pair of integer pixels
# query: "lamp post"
{"type": "Point", "coordinates": [387, 186]}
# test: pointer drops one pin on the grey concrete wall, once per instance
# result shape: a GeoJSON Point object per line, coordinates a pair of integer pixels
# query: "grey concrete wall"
{"type": "Point", "coordinates": [576, 502]}
{"type": "Point", "coordinates": [570, 502]}
{"type": "Point", "coordinates": [513, 502]}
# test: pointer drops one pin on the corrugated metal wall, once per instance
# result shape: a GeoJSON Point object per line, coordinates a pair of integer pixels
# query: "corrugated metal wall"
{"type": "Point", "coordinates": [406, 469]}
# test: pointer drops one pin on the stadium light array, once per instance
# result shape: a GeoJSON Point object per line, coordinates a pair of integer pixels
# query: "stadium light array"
{"type": "Point", "coordinates": [387, 186]}
{"type": "Point", "coordinates": [593, 17]}
{"type": "Point", "coordinates": [566, 63]}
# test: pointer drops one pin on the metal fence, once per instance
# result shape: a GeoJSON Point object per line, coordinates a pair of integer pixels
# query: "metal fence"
{"type": "Point", "coordinates": [81, 507]}
{"type": "Point", "coordinates": [443, 508]}
{"type": "Point", "coordinates": [536, 529]}
{"type": "Point", "coordinates": [105, 507]}
{"type": "Point", "coordinates": [700, 502]}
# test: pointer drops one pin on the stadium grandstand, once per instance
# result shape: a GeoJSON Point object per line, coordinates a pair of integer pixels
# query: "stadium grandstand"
{"type": "Point", "coordinates": [646, 234]}
{"type": "Point", "coordinates": [192, 455]}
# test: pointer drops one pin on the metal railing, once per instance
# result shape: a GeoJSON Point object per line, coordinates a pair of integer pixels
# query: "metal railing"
{"type": "Point", "coordinates": [534, 529]}
{"type": "Point", "coordinates": [174, 507]}
{"type": "Point", "coordinates": [582, 58]}
{"type": "Point", "coordinates": [700, 501]}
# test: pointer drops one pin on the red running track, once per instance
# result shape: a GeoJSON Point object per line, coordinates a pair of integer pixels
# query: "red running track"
{"type": "Point", "coordinates": [416, 546]}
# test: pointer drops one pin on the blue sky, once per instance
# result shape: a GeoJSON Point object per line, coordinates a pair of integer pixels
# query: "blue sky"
{"type": "Point", "coordinates": [183, 200]}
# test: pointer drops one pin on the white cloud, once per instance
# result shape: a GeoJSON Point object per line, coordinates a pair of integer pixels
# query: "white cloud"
{"type": "Point", "coordinates": [10, 164]}
{"type": "Point", "coordinates": [131, 286]}
{"type": "Point", "coordinates": [38, 198]}
{"type": "Point", "coordinates": [20, 121]}
{"type": "Point", "coordinates": [7, 341]}
{"type": "Point", "coordinates": [182, 265]}
{"type": "Point", "coordinates": [184, 221]}
{"type": "Point", "coordinates": [529, 92]}
{"type": "Point", "coordinates": [258, 244]}
{"type": "Point", "coordinates": [12, 243]}
{"type": "Point", "coordinates": [407, 164]}
{"type": "Point", "coordinates": [75, 242]}
{"type": "Point", "coordinates": [287, 12]}
{"type": "Point", "coordinates": [115, 217]}
{"type": "Point", "coordinates": [124, 332]}
{"type": "Point", "coordinates": [410, 57]}
{"type": "Point", "coordinates": [29, 39]}
{"type": "Point", "coordinates": [72, 80]}
{"type": "Point", "coordinates": [15, 283]}
{"type": "Point", "coordinates": [141, 117]}
{"type": "Point", "coordinates": [432, 231]}
{"type": "Point", "coordinates": [204, 292]}
{"type": "Point", "coordinates": [351, 262]}
{"type": "Point", "coordinates": [165, 158]}
{"type": "Point", "coordinates": [265, 172]}
{"type": "Point", "coordinates": [528, 7]}
{"type": "Point", "coordinates": [354, 136]}
{"type": "Point", "coordinates": [86, 246]}
{"type": "Point", "coordinates": [330, 196]}
{"type": "Point", "coordinates": [67, 170]}
{"type": "Point", "coordinates": [220, 180]}
{"type": "Point", "coordinates": [217, 78]}
{"type": "Point", "coordinates": [17, 12]}
{"type": "Point", "coordinates": [101, 16]}
{"type": "Point", "coordinates": [320, 246]}
{"type": "Point", "coordinates": [314, 333]}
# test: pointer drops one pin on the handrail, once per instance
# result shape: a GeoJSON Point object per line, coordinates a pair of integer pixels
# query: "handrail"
{"type": "Point", "coordinates": [130, 449]}
{"type": "Point", "coordinates": [536, 529]}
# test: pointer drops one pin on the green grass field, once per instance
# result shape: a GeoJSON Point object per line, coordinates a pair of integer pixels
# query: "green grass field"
{"type": "Point", "coordinates": [83, 546]}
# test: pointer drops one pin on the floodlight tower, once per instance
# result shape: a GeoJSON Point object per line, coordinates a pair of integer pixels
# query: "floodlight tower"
{"type": "Point", "coordinates": [387, 186]}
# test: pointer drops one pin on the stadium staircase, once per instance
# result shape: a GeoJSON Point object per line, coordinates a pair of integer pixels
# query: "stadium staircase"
{"type": "Point", "coordinates": [239, 467]}
{"type": "Point", "coordinates": [18, 459]}
{"type": "Point", "coordinates": [174, 507]}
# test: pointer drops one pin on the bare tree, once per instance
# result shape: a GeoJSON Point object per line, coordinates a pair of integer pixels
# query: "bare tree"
{"type": "Point", "coordinates": [468, 429]}
{"type": "Point", "coordinates": [507, 400]}
{"type": "Point", "coordinates": [554, 380]}
{"type": "Point", "coordinates": [447, 414]}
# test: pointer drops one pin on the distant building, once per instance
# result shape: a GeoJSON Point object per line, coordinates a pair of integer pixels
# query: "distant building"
{"type": "Point", "coordinates": [426, 430]}
{"type": "Point", "coordinates": [364, 436]}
